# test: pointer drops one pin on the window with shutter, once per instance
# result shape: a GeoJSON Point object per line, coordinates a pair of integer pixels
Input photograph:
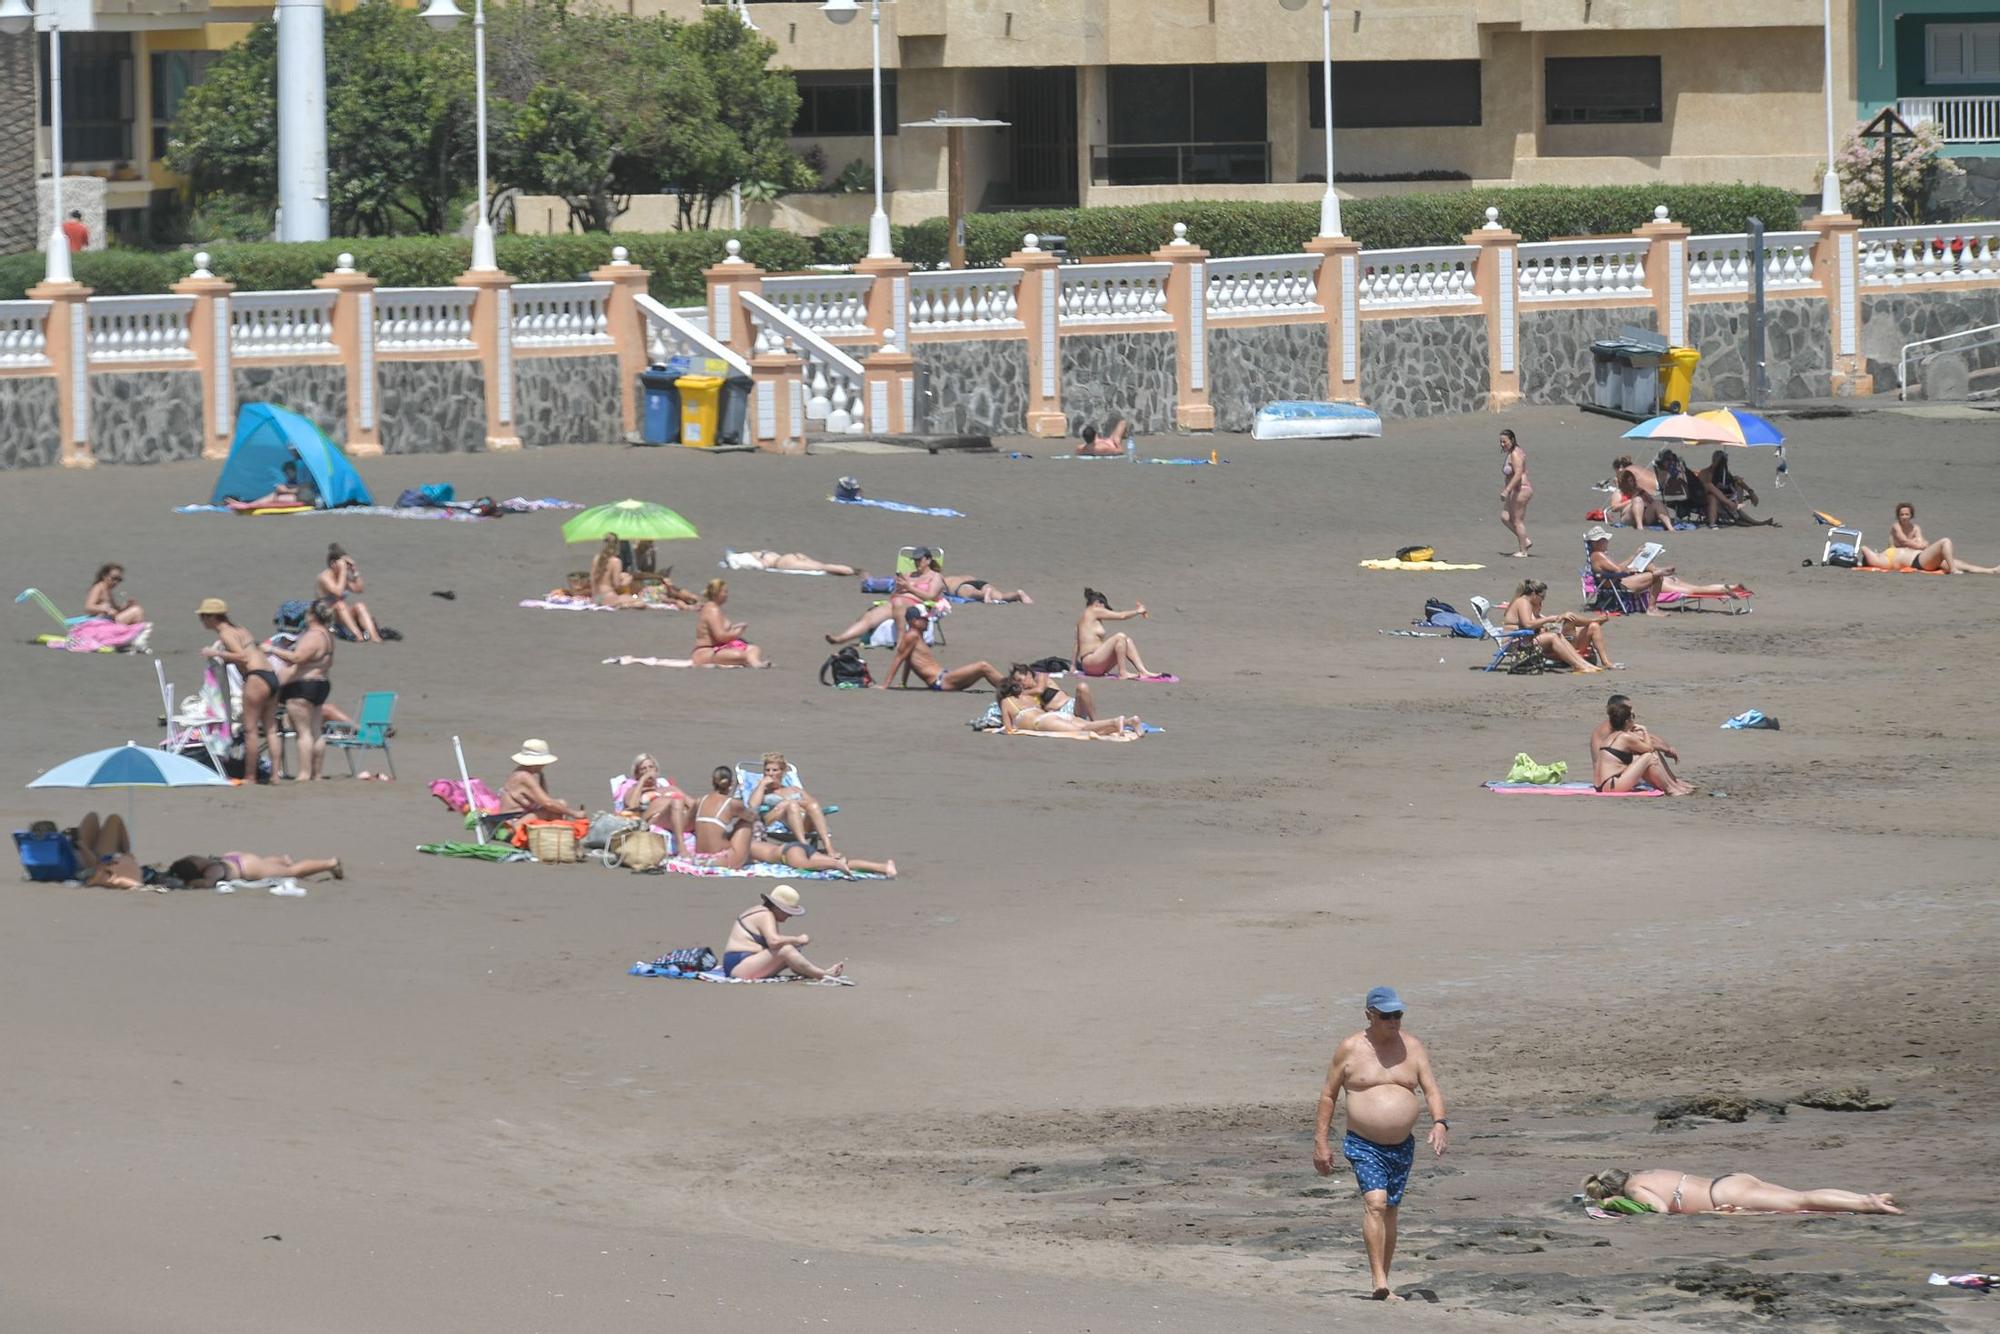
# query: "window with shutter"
{"type": "Point", "coordinates": [1962, 53]}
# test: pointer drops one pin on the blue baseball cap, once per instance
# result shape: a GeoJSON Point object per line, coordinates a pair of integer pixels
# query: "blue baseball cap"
{"type": "Point", "coordinates": [1384, 1000]}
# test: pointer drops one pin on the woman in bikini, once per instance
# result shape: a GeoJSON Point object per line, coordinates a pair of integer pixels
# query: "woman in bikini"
{"type": "Point", "coordinates": [655, 799]}
{"type": "Point", "coordinates": [207, 872]}
{"type": "Point", "coordinates": [1623, 754]}
{"type": "Point", "coordinates": [1515, 491]}
{"type": "Point", "coordinates": [1638, 500]}
{"type": "Point", "coordinates": [1654, 580]}
{"type": "Point", "coordinates": [308, 663]}
{"type": "Point", "coordinates": [979, 590]}
{"type": "Point", "coordinates": [1717, 491]}
{"type": "Point", "coordinates": [1909, 551]}
{"type": "Point", "coordinates": [607, 577]}
{"type": "Point", "coordinates": [921, 585]}
{"type": "Point", "coordinates": [259, 704]}
{"type": "Point", "coordinates": [757, 948]}
{"type": "Point", "coordinates": [1039, 688]}
{"type": "Point", "coordinates": [787, 811]}
{"type": "Point", "coordinates": [786, 560]}
{"type": "Point", "coordinates": [724, 837]}
{"type": "Point", "coordinates": [1020, 712]}
{"type": "Point", "coordinates": [1666, 1191]}
{"type": "Point", "coordinates": [339, 582]}
{"type": "Point", "coordinates": [102, 599]}
{"type": "Point", "coordinates": [1101, 654]}
{"type": "Point", "coordinates": [719, 642]}
{"type": "Point", "coordinates": [1570, 637]}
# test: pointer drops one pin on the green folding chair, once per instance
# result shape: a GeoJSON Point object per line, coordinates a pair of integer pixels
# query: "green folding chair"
{"type": "Point", "coordinates": [371, 730]}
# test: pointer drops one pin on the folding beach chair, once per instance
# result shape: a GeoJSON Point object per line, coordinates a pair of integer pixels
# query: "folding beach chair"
{"type": "Point", "coordinates": [1849, 538]}
{"type": "Point", "coordinates": [906, 563]}
{"type": "Point", "coordinates": [371, 729]}
{"type": "Point", "coordinates": [1608, 595]}
{"type": "Point", "coordinates": [1515, 651]}
{"type": "Point", "coordinates": [749, 773]}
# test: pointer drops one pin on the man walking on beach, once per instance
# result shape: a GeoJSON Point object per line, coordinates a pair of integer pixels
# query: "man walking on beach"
{"type": "Point", "coordinates": [1384, 1071]}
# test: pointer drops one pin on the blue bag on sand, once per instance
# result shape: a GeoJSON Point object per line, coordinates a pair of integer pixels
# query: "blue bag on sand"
{"type": "Point", "coordinates": [438, 493]}
{"type": "Point", "coordinates": [1462, 627]}
{"type": "Point", "coordinates": [878, 584]}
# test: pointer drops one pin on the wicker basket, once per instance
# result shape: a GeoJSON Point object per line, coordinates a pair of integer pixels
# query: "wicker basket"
{"type": "Point", "coordinates": [640, 849]}
{"type": "Point", "coordinates": [552, 843]}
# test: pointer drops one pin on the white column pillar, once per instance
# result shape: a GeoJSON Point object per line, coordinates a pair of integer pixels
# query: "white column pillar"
{"type": "Point", "coordinates": [302, 194]}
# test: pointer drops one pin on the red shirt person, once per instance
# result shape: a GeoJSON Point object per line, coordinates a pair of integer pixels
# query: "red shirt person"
{"type": "Point", "coordinates": [76, 231]}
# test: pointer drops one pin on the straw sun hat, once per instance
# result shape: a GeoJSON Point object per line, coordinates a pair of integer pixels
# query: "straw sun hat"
{"type": "Point", "coordinates": [212, 607]}
{"type": "Point", "coordinates": [786, 900]}
{"type": "Point", "coordinates": [534, 751]}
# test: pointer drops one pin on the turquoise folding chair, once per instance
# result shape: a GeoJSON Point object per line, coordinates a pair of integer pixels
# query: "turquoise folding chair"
{"type": "Point", "coordinates": [371, 730]}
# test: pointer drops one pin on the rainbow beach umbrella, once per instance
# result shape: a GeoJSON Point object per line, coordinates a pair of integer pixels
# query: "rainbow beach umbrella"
{"type": "Point", "coordinates": [1681, 426]}
{"type": "Point", "coordinates": [1750, 429]}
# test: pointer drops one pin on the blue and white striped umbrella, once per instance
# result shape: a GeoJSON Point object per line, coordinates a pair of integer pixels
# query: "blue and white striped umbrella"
{"type": "Point", "coordinates": [130, 765]}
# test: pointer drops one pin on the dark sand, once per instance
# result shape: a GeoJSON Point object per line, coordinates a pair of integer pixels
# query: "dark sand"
{"type": "Point", "coordinates": [1074, 1088]}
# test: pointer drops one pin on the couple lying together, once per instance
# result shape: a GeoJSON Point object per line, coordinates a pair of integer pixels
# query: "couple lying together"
{"type": "Point", "coordinates": [779, 824]}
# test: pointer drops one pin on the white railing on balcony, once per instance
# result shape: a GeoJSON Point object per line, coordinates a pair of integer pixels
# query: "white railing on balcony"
{"type": "Point", "coordinates": [1722, 263]}
{"type": "Point", "coordinates": [24, 337]}
{"type": "Point", "coordinates": [1113, 293]}
{"type": "Point", "coordinates": [281, 324]}
{"type": "Point", "coordinates": [831, 305]}
{"type": "Point", "coordinates": [835, 384]}
{"type": "Point", "coordinates": [1959, 120]}
{"type": "Point", "coordinates": [423, 319]}
{"type": "Point", "coordinates": [1572, 270]}
{"type": "Point", "coordinates": [139, 328]}
{"type": "Point", "coordinates": [965, 299]}
{"type": "Point", "coordinates": [1419, 276]}
{"type": "Point", "coordinates": [1930, 253]}
{"type": "Point", "coordinates": [1263, 285]}
{"type": "Point", "coordinates": [672, 333]}
{"type": "Point", "coordinates": [562, 315]}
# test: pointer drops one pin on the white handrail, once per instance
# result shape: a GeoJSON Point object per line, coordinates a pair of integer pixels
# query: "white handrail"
{"type": "Point", "coordinates": [1113, 293]}
{"type": "Point", "coordinates": [663, 321]}
{"type": "Point", "coordinates": [281, 324]}
{"type": "Point", "coordinates": [1419, 276]}
{"type": "Point", "coordinates": [24, 333]}
{"type": "Point", "coordinates": [139, 328]}
{"type": "Point", "coordinates": [1992, 336]}
{"type": "Point", "coordinates": [1930, 253]}
{"type": "Point", "coordinates": [965, 299]}
{"type": "Point", "coordinates": [825, 303]}
{"type": "Point", "coordinates": [423, 319]}
{"type": "Point", "coordinates": [1262, 285]}
{"type": "Point", "coordinates": [1567, 270]}
{"type": "Point", "coordinates": [561, 314]}
{"type": "Point", "coordinates": [1721, 263]}
{"type": "Point", "coordinates": [835, 382]}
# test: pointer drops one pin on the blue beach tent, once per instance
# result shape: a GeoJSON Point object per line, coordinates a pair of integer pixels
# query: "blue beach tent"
{"type": "Point", "coordinates": [267, 438]}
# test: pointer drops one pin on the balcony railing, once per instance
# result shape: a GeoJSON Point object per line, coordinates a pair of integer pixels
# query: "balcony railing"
{"type": "Point", "coordinates": [1959, 120]}
{"type": "Point", "coordinates": [1180, 164]}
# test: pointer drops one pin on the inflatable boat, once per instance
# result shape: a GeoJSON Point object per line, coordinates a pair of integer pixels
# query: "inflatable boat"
{"type": "Point", "coordinates": [1317, 421]}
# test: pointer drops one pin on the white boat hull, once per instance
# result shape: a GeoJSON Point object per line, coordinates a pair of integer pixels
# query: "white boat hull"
{"type": "Point", "coordinates": [1317, 421]}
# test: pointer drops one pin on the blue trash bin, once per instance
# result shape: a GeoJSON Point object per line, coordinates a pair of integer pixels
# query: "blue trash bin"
{"type": "Point", "coordinates": [660, 422]}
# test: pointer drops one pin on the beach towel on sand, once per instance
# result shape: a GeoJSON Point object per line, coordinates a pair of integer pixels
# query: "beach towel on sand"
{"type": "Point", "coordinates": [756, 870]}
{"type": "Point", "coordinates": [743, 560]}
{"type": "Point", "coordinates": [654, 969]}
{"type": "Point", "coordinates": [628, 660]}
{"type": "Point", "coordinates": [103, 637]}
{"type": "Point", "coordinates": [898, 507]}
{"type": "Point", "coordinates": [1391, 563]}
{"type": "Point", "coordinates": [1507, 789]}
{"type": "Point", "coordinates": [566, 603]}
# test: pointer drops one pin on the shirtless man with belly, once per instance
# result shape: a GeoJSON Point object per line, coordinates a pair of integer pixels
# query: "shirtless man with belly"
{"type": "Point", "coordinates": [1384, 1071]}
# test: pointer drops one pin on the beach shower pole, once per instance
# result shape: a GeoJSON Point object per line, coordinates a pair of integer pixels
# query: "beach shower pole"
{"type": "Point", "coordinates": [1759, 383]}
{"type": "Point", "coordinates": [478, 827]}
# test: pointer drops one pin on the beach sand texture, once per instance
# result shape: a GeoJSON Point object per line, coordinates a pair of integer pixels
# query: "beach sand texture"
{"type": "Point", "coordinates": [1074, 1086]}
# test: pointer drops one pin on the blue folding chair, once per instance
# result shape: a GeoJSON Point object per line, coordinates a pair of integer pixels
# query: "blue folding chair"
{"type": "Point", "coordinates": [1516, 652]}
{"type": "Point", "coordinates": [371, 730]}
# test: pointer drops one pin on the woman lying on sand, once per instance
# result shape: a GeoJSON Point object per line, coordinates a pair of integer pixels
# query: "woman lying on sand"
{"type": "Point", "coordinates": [979, 590]}
{"type": "Point", "coordinates": [921, 585]}
{"type": "Point", "coordinates": [719, 642]}
{"type": "Point", "coordinates": [1019, 712]}
{"type": "Point", "coordinates": [1909, 551]}
{"type": "Point", "coordinates": [756, 948]}
{"type": "Point", "coordinates": [1099, 654]}
{"type": "Point", "coordinates": [1623, 754]}
{"type": "Point", "coordinates": [1568, 636]}
{"type": "Point", "coordinates": [106, 847]}
{"type": "Point", "coordinates": [1666, 1191]}
{"type": "Point", "coordinates": [1036, 686]}
{"type": "Point", "coordinates": [102, 599]}
{"type": "Point", "coordinates": [724, 836]}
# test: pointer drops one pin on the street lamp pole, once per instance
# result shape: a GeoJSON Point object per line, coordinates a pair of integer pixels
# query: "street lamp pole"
{"type": "Point", "coordinates": [1329, 203]}
{"type": "Point", "coordinates": [302, 201]}
{"type": "Point", "coordinates": [16, 17]}
{"type": "Point", "coordinates": [1829, 186]}
{"type": "Point", "coordinates": [843, 12]}
{"type": "Point", "coordinates": [443, 16]}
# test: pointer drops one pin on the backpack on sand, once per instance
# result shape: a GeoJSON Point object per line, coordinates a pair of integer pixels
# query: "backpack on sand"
{"type": "Point", "coordinates": [848, 670]}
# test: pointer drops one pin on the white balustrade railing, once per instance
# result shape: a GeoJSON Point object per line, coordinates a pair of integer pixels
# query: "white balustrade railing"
{"type": "Point", "coordinates": [965, 299]}
{"type": "Point", "coordinates": [1113, 293]}
{"type": "Point", "coordinates": [831, 305]}
{"type": "Point", "coordinates": [139, 328]}
{"type": "Point", "coordinates": [1263, 285]}
{"type": "Point", "coordinates": [282, 324]}
{"type": "Point", "coordinates": [1569, 270]}
{"type": "Point", "coordinates": [1722, 263]}
{"type": "Point", "coordinates": [1931, 253]}
{"type": "Point", "coordinates": [672, 333]}
{"type": "Point", "coordinates": [423, 319]}
{"type": "Point", "coordinates": [835, 384]}
{"type": "Point", "coordinates": [562, 314]}
{"type": "Point", "coordinates": [1419, 276]}
{"type": "Point", "coordinates": [24, 337]}
{"type": "Point", "coordinates": [1958, 120]}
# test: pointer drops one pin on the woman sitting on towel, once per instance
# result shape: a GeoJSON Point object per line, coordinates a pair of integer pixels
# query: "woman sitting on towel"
{"type": "Point", "coordinates": [524, 794]}
{"type": "Point", "coordinates": [607, 577]}
{"type": "Point", "coordinates": [921, 585]}
{"type": "Point", "coordinates": [655, 799]}
{"type": "Point", "coordinates": [1665, 1191]}
{"type": "Point", "coordinates": [756, 948]}
{"type": "Point", "coordinates": [1717, 491]}
{"type": "Point", "coordinates": [1037, 687]}
{"type": "Point", "coordinates": [913, 658]}
{"type": "Point", "coordinates": [1654, 580]}
{"type": "Point", "coordinates": [1021, 712]}
{"type": "Point", "coordinates": [1909, 550]}
{"type": "Point", "coordinates": [1101, 654]}
{"type": "Point", "coordinates": [1624, 755]}
{"type": "Point", "coordinates": [102, 599]}
{"type": "Point", "coordinates": [338, 584]}
{"type": "Point", "coordinates": [1571, 637]}
{"type": "Point", "coordinates": [719, 642]}
{"type": "Point", "coordinates": [724, 837]}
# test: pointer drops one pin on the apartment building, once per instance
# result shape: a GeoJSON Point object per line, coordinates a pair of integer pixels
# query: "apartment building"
{"type": "Point", "coordinates": [1939, 63]}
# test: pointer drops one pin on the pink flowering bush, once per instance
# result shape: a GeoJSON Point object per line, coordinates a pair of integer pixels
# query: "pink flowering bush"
{"type": "Point", "coordinates": [1920, 166]}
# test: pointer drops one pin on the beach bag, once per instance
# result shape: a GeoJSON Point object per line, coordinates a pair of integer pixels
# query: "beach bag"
{"type": "Point", "coordinates": [436, 493]}
{"type": "Point", "coordinates": [878, 584]}
{"type": "Point", "coordinates": [639, 849]}
{"type": "Point", "coordinates": [847, 488]}
{"type": "Point", "coordinates": [1054, 666]}
{"type": "Point", "coordinates": [291, 616]}
{"type": "Point", "coordinates": [1416, 553]}
{"type": "Point", "coordinates": [848, 670]}
{"type": "Point", "coordinates": [700, 959]}
{"type": "Point", "coordinates": [1842, 555]}
{"type": "Point", "coordinates": [605, 827]}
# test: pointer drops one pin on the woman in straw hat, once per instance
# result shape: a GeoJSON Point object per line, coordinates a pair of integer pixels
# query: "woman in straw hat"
{"type": "Point", "coordinates": [757, 948]}
{"type": "Point", "coordinates": [524, 793]}
{"type": "Point", "coordinates": [259, 705]}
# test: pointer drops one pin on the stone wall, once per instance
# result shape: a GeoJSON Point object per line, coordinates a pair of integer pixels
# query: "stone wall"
{"type": "Point", "coordinates": [1554, 348]}
{"type": "Point", "coordinates": [1425, 366]}
{"type": "Point", "coordinates": [317, 393]}
{"type": "Point", "coordinates": [975, 387]}
{"type": "Point", "coordinates": [1111, 375]}
{"type": "Point", "coordinates": [567, 401]}
{"type": "Point", "coordinates": [1891, 319]}
{"type": "Point", "coordinates": [30, 424]}
{"type": "Point", "coordinates": [1249, 367]}
{"type": "Point", "coordinates": [145, 416]}
{"type": "Point", "coordinates": [1798, 349]}
{"type": "Point", "coordinates": [431, 407]}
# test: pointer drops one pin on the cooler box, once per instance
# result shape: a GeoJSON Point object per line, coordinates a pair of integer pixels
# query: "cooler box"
{"type": "Point", "coordinates": [1677, 379]}
{"type": "Point", "coordinates": [701, 409]}
{"type": "Point", "coordinates": [732, 430]}
{"type": "Point", "coordinates": [660, 416]}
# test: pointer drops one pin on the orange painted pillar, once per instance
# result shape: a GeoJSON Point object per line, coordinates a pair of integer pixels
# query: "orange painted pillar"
{"type": "Point", "coordinates": [891, 390]}
{"type": "Point", "coordinates": [777, 403]}
{"type": "Point", "coordinates": [493, 336]}
{"type": "Point", "coordinates": [1837, 265]}
{"type": "Point", "coordinates": [1187, 305]}
{"type": "Point", "coordinates": [728, 281]}
{"type": "Point", "coordinates": [1495, 279]}
{"type": "Point", "coordinates": [1666, 273]}
{"type": "Point", "coordinates": [208, 341]}
{"type": "Point", "coordinates": [627, 328]}
{"type": "Point", "coordinates": [68, 337]}
{"type": "Point", "coordinates": [888, 298]}
{"type": "Point", "coordinates": [1040, 306]}
{"type": "Point", "coordinates": [354, 335]}
{"type": "Point", "coordinates": [1340, 298]}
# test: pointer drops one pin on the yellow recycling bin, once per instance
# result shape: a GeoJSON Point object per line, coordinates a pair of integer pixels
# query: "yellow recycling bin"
{"type": "Point", "coordinates": [1677, 379]}
{"type": "Point", "coordinates": [701, 409]}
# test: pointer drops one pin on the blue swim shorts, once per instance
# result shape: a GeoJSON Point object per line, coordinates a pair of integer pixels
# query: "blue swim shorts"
{"type": "Point", "coordinates": [1380, 1166]}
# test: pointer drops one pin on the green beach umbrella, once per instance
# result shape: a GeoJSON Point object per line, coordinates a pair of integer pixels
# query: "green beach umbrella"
{"type": "Point", "coordinates": [632, 520]}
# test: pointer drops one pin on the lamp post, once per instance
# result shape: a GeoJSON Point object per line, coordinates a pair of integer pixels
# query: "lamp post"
{"type": "Point", "coordinates": [1329, 203]}
{"type": "Point", "coordinates": [443, 16]}
{"type": "Point", "coordinates": [1829, 186]}
{"type": "Point", "coordinates": [302, 192]}
{"type": "Point", "coordinates": [843, 12]}
{"type": "Point", "coordinates": [16, 17]}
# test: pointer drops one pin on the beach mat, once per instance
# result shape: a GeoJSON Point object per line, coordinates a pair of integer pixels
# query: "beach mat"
{"type": "Point", "coordinates": [628, 660]}
{"type": "Point", "coordinates": [1562, 790]}
{"type": "Point", "coordinates": [898, 507]}
{"type": "Point", "coordinates": [755, 870]}
{"type": "Point", "coordinates": [585, 604]}
{"type": "Point", "coordinates": [644, 969]}
{"type": "Point", "coordinates": [1391, 563]}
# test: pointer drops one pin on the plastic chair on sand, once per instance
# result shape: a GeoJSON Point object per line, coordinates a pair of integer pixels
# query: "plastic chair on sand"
{"type": "Point", "coordinates": [749, 773]}
{"type": "Point", "coordinates": [371, 729]}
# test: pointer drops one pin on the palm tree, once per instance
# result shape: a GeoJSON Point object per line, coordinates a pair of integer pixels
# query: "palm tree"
{"type": "Point", "coordinates": [19, 228]}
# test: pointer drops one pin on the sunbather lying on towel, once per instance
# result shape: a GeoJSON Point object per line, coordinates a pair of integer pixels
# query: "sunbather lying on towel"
{"type": "Point", "coordinates": [979, 590]}
{"type": "Point", "coordinates": [758, 948]}
{"type": "Point", "coordinates": [1102, 654]}
{"type": "Point", "coordinates": [1666, 1191]}
{"type": "Point", "coordinates": [288, 492]}
{"type": "Point", "coordinates": [102, 600]}
{"type": "Point", "coordinates": [1623, 754]}
{"type": "Point", "coordinates": [1909, 551]}
{"type": "Point", "coordinates": [786, 560]}
{"type": "Point", "coordinates": [1038, 688]}
{"type": "Point", "coordinates": [105, 847]}
{"type": "Point", "coordinates": [1020, 712]}
{"type": "Point", "coordinates": [1572, 637]}
{"type": "Point", "coordinates": [913, 658]}
{"type": "Point", "coordinates": [1653, 580]}
{"type": "Point", "coordinates": [1109, 444]}
{"type": "Point", "coordinates": [724, 836]}
{"type": "Point", "coordinates": [921, 585]}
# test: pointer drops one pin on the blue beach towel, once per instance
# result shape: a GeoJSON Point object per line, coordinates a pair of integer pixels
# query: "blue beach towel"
{"type": "Point", "coordinates": [898, 507]}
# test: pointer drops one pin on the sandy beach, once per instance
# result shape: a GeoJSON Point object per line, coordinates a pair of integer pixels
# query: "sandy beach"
{"type": "Point", "coordinates": [1073, 1088]}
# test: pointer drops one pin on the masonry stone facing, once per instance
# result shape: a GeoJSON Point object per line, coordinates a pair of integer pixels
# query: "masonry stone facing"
{"type": "Point", "coordinates": [30, 422]}
{"type": "Point", "coordinates": [1250, 366]}
{"type": "Point", "coordinates": [1425, 366]}
{"type": "Point", "coordinates": [1555, 348]}
{"type": "Point", "coordinates": [1112, 375]}
{"type": "Point", "coordinates": [317, 393]}
{"type": "Point", "coordinates": [145, 416]}
{"type": "Point", "coordinates": [567, 400]}
{"type": "Point", "coordinates": [1891, 319]}
{"type": "Point", "coordinates": [975, 387]}
{"type": "Point", "coordinates": [432, 407]}
{"type": "Point", "coordinates": [1798, 349]}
